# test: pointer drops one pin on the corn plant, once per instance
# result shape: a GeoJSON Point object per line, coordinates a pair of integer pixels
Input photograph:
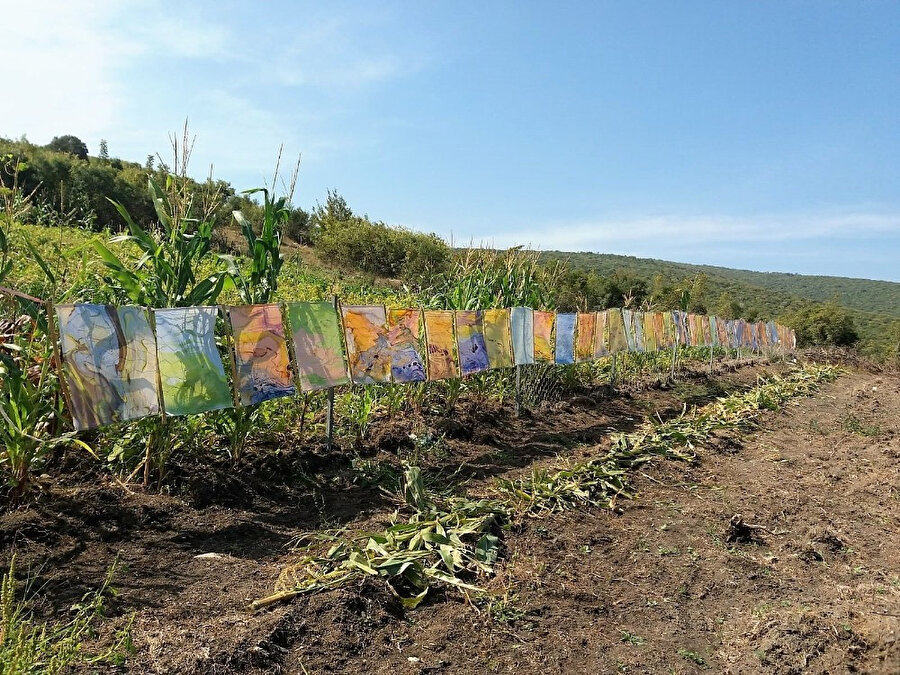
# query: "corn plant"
{"type": "Point", "coordinates": [480, 278]}
{"type": "Point", "coordinates": [358, 407]}
{"type": "Point", "coordinates": [165, 274]}
{"type": "Point", "coordinates": [30, 404]}
{"type": "Point", "coordinates": [15, 205]}
{"type": "Point", "coordinates": [444, 542]}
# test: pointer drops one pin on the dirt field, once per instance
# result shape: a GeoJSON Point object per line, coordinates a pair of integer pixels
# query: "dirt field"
{"type": "Point", "coordinates": [812, 586]}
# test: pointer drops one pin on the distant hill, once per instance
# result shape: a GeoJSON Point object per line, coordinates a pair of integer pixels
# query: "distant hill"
{"type": "Point", "coordinates": [873, 304]}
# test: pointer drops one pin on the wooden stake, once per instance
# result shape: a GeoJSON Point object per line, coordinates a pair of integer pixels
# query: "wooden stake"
{"type": "Point", "coordinates": [518, 389]}
{"type": "Point", "coordinates": [232, 356]}
{"type": "Point", "coordinates": [164, 421]}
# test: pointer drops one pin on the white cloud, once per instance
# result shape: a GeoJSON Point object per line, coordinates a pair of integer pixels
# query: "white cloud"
{"type": "Point", "coordinates": [701, 231]}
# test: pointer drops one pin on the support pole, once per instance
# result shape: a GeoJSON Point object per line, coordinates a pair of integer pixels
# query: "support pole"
{"type": "Point", "coordinates": [612, 375]}
{"type": "Point", "coordinates": [674, 359]}
{"type": "Point", "coordinates": [518, 389]}
{"type": "Point", "coordinates": [329, 419]}
{"type": "Point", "coordinates": [712, 351]}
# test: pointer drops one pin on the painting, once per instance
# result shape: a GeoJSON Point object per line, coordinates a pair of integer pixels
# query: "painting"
{"type": "Point", "coordinates": [713, 331]}
{"type": "Point", "coordinates": [584, 336]}
{"type": "Point", "coordinates": [441, 345]}
{"type": "Point", "coordinates": [628, 324]}
{"type": "Point", "coordinates": [615, 326]}
{"type": "Point", "coordinates": [669, 330]}
{"type": "Point", "coordinates": [706, 330]}
{"type": "Point", "coordinates": [405, 345]}
{"type": "Point", "coordinates": [637, 327]}
{"type": "Point", "coordinates": [543, 336]}
{"type": "Point", "coordinates": [318, 345]}
{"type": "Point", "coordinates": [497, 338]}
{"type": "Point", "coordinates": [190, 368]}
{"type": "Point", "coordinates": [262, 365]}
{"type": "Point", "coordinates": [649, 332]}
{"type": "Point", "coordinates": [565, 338]}
{"type": "Point", "coordinates": [108, 363]}
{"type": "Point", "coordinates": [722, 332]}
{"type": "Point", "coordinates": [473, 357]}
{"type": "Point", "coordinates": [368, 353]}
{"type": "Point", "coordinates": [601, 340]}
{"type": "Point", "coordinates": [521, 321]}
{"type": "Point", "coordinates": [679, 319]}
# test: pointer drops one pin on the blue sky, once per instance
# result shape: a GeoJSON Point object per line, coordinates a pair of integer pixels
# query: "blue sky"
{"type": "Point", "coordinates": [760, 135]}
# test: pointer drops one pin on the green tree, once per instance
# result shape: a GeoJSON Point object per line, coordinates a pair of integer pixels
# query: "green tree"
{"type": "Point", "coordinates": [823, 324]}
{"type": "Point", "coordinates": [70, 144]}
{"type": "Point", "coordinates": [726, 307]}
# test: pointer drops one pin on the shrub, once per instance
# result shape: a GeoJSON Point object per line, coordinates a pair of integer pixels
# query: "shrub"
{"type": "Point", "coordinates": [823, 324]}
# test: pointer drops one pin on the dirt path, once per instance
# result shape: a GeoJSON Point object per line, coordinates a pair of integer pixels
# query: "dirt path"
{"type": "Point", "coordinates": [657, 588]}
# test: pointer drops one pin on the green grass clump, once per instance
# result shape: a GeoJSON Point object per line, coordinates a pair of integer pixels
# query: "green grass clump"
{"type": "Point", "coordinates": [28, 646]}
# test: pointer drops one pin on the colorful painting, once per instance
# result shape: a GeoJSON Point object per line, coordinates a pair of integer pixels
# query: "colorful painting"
{"type": "Point", "coordinates": [441, 345]}
{"type": "Point", "coordinates": [628, 323]}
{"type": "Point", "coordinates": [497, 338]}
{"type": "Point", "coordinates": [262, 366]}
{"type": "Point", "coordinates": [601, 340]}
{"type": "Point", "coordinates": [565, 338]}
{"type": "Point", "coordinates": [190, 367]}
{"type": "Point", "coordinates": [521, 321]}
{"type": "Point", "coordinates": [649, 332]}
{"type": "Point", "coordinates": [772, 330]}
{"type": "Point", "coordinates": [318, 345]}
{"type": "Point", "coordinates": [584, 338]}
{"type": "Point", "coordinates": [722, 332]}
{"type": "Point", "coordinates": [618, 337]}
{"type": "Point", "coordinates": [543, 336]}
{"type": "Point", "coordinates": [706, 330]}
{"type": "Point", "coordinates": [473, 357]}
{"type": "Point", "coordinates": [368, 353]}
{"type": "Point", "coordinates": [670, 332]}
{"type": "Point", "coordinates": [681, 336]}
{"type": "Point", "coordinates": [637, 331]}
{"type": "Point", "coordinates": [405, 345]}
{"type": "Point", "coordinates": [108, 363]}
{"type": "Point", "coordinates": [714, 331]}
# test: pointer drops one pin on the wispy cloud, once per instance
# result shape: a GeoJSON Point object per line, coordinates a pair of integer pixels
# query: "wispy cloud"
{"type": "Point", "coordinates": [703, 231]}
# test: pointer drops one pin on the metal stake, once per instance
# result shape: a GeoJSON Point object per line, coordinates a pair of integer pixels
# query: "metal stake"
{"type": "Point", "coordinates": [329, 419]}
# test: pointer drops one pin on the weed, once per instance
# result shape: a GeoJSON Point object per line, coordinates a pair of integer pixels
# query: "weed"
{"type": "Point", "coordinates": [505, 608]}
{"type": "Point", "coordinates": [852, 424]}
{"type": "Point", "coordinates": [691, 656]}
{"type": "Point", "coordinates": [631, 638]}
{"type": "Point", "coordinates": [29, 647]}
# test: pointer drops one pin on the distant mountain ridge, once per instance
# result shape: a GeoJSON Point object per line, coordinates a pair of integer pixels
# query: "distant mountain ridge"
{"type": "Point", "coordinates": [866, 295]}
{"type": "Point", "coordinates": [874, 305]}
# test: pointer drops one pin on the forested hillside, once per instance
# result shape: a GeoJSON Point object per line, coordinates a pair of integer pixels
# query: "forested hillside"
{"type": "Point", "coordinates": [873, 305]}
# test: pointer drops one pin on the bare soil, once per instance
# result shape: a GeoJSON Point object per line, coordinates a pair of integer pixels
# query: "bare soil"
{"type": "Point", "coordinates": [777, 552]}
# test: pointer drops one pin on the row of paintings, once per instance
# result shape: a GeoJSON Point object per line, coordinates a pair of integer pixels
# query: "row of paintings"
{"type": "Point", "coordinates": [122, 363]}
